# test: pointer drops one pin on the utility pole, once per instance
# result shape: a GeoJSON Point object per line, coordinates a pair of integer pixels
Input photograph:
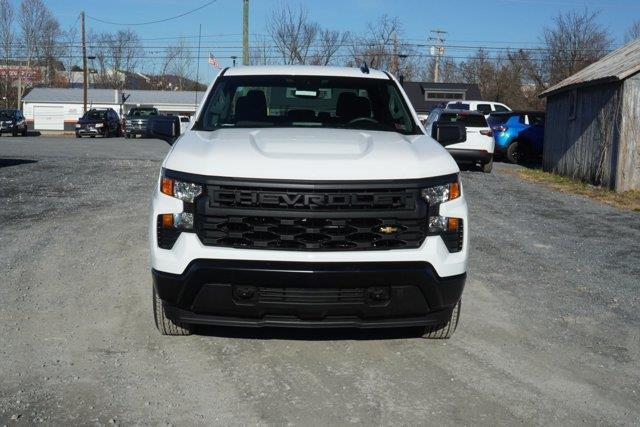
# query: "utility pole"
{"type": "Point", "coordinates": [84, 66]}
{"type": "Point", "coordinates": [437, 50]}
{"type": "Point", "coordinates": [394, 57]}
{"type": "Point", "coordinates": [198, 66]}
{"type": "Point", "coordinates": [245, 32]}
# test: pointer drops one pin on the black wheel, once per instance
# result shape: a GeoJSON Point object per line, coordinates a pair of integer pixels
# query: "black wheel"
{"type": "Point", "coordinates": [165, 325]}
{"type": "Point", "coordinates": [127, 136]}
{"type": "Point", "coordinates": [14, 133]}
{"type": "Point", "coordinates": [78, 135]}
{"type": "Point", "coordinates": [487, 167]}
{"type": "Point", "coordinates": [444, 331]}
{"type": "Point", "coordinates": [517, 152]}
{"type": "Point", "coordinates": [24, 132]}
{"type": "Point", "coordinates": [92, 136]}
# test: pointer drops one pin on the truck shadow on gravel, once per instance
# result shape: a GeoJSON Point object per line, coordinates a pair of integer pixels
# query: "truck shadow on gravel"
{"type": "Point", "coordinates": [15, 162]}
{"type": "Point", "coordinates": [307, 334]}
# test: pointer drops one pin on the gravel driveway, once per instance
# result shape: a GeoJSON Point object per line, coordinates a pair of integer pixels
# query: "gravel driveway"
{"type": "Point", "coordinates": [550, 327]}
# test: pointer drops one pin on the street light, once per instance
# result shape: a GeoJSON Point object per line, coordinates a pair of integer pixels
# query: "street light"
{"type": "Point", "coordinates": [234, 60]}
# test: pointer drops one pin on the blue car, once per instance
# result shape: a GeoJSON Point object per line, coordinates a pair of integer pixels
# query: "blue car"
{"type": "Point", "coordinates": [519, 135]}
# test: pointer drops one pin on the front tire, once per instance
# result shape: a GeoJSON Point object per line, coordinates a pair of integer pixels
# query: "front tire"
{"type": "Point", "coordinates": [443, 332]}
{"type": "Point", "coordinates": [487, 167]}
{"type": "Point", "coordinates": [165, 325]}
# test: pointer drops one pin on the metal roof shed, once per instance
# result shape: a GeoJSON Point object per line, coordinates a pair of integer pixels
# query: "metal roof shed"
{"type": "Point", "coordinates": [592, 129]}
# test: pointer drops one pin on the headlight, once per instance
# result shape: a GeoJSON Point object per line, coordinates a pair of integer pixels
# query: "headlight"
{"type": "Point", "coordinates": [185, 191]}
{"type": "Point", "coordinates": [99, 125]}
{"type": "Point", "coordinates": [441, 193]}
{"type": "Point", "coordinates": [449, 229]}
{"type": "Point", "coordinates": [78, 125]}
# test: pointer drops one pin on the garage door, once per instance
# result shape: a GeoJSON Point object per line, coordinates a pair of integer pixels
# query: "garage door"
{"type": "Point", "coordinates": [48, 117]}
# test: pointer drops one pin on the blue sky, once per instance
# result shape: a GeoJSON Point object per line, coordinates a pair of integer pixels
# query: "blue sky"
{"type": "Point", "coordinates": [504, 23]}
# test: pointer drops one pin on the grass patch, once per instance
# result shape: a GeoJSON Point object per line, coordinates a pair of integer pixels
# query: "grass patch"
{"type": "Point", "coordinates": [629, 200]}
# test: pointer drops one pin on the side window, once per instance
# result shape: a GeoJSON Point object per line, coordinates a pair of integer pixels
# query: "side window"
{"type": "Point", "coordinates": [500, 108]}
{"type": "Point", "coordinates": [484, 108]}
{"type": "Point", "coordinates": [401, 117]}
{"type": "Point", "coordinates": [536, 119]}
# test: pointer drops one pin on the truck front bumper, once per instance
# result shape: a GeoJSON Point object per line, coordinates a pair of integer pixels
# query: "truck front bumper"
{"type": "Point", "coordinates": [299, 294]}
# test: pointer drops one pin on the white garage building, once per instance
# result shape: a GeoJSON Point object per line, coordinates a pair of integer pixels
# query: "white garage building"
{"type": "Point", "coordinates": [58, 109]}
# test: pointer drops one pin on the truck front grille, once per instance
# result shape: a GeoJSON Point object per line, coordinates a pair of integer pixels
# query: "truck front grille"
{"type": "Point", "coordinates": [314, 216]}
{"type": "Point", "coordinates": [302, 233]}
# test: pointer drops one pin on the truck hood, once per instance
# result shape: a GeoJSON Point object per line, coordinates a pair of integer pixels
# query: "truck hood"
{"type": "Point", "coordinates": [309, 154]}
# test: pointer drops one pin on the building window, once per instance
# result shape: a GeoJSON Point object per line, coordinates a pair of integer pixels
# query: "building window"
{"type": "Point", "coordinates": [443, 96]}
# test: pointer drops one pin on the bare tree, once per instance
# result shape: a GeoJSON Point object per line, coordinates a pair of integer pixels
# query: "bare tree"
{"type": "Point", "coordinates": [70, 37]}
{"type": "Point", "coordinates": [6, 44]}
{"type": "Point", "coordinates": [329, 43]}
{"type": "Point", "coordinates": [380, 47]}
{"type": "Point", "coordinates": [633, 32]}
{"type": "Point", "coordinates": [260, 49]}
{"type": "Point", "coordinates": [40, 31]}
{"type": "Point", "coordinates": [117, 56]}
{"type": "Point", "coordinates": [575, 41]}
{"type": "Point", "coordinates": [182, 66]}
{"type": "Point", "coordinates": [292, 33]}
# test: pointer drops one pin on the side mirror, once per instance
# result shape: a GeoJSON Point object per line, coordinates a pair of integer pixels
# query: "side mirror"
{"type": "Point", "coordinates": [447, 133]}
{"type": "Point", "coordinates": [166, 128]}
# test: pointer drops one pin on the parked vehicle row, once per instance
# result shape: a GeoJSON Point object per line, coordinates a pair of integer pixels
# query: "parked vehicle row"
{"type": "Point", "coordinates": [13, 122]}
{"type": "Point", "coordinates": [105, 122]}
{"type": "Point", "coordinates": [493, 130]}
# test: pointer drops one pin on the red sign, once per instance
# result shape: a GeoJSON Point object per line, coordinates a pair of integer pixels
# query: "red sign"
{"type": "Point", "coordinates": [28, 74]}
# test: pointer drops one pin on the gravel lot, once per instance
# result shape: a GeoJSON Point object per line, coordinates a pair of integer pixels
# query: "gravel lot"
{"type": "Point", "coordinates": [550, 328]}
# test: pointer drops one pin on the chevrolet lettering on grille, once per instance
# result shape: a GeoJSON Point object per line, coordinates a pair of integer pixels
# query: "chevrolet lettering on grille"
{"type": "Point", "coordinates": [309, 200]}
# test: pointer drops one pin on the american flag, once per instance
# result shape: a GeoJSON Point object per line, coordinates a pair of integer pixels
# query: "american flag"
{"type": "Point", "coordinates": [213, 61]}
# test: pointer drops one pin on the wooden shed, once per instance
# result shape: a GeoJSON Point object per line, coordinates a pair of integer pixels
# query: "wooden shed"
{"type": "Point", "coordinates": [592, 130]}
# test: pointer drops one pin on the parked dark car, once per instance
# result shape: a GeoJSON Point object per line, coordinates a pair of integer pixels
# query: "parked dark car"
{"type": "Point", "coordinates": [519, 135]}
{"type": "Point", "coordinates": [104, 122]}
{"type": "Point", "coordinates": [136, 121]}
{"type": "Point", "coordinates": [13, 122]}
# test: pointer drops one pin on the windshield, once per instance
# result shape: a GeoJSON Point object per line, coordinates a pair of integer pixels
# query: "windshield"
{"type": "Point", "coordinates": [6, 114]}
{"type": "Point", "coordinates": [135, 112]}
{"type": "Point", "coordinates": [306, 101]}
{"type": "Point", "coordinates": [95, 114]}
{"type": "Point", "coordinates": [469, 120]}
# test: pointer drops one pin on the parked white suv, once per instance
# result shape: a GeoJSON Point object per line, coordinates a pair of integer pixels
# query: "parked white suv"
{"type": "Point", "coordinates": [479, 145]}
{"type": "Point", "coordinates": [485, 107]}
{"type": "Point", "coordinates": [308, 197]}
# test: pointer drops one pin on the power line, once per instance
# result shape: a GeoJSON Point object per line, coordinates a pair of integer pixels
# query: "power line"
{"type": "Point", "coordinates": [156, 21]}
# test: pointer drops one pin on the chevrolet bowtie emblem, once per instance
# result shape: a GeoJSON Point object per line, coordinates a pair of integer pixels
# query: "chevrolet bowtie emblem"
{"type": "Point", "coordinates": [388, 229]}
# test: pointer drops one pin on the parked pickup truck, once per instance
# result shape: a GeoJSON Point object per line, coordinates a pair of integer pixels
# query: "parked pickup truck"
{"type": "Point", "coordinates": [308, 197]}
{"type": "Point", "coordinates": [136, 121]}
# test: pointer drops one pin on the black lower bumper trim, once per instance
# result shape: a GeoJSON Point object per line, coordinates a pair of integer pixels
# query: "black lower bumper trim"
{"type": "Point", "coordinates": [461, 155]}
{"type": "Point", "coordinates": [262, 293]}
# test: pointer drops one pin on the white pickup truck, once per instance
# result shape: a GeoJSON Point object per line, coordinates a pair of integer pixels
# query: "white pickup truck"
{"type": "Point", "coordinates": [308, 197]}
